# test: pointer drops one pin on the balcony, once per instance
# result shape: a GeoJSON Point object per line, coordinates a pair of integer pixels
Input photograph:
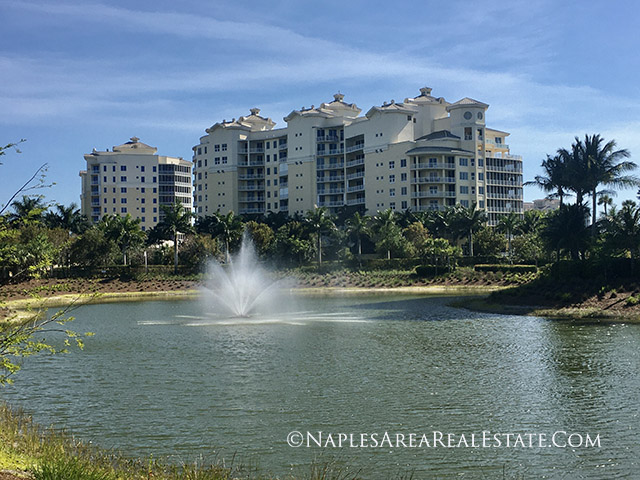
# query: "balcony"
{"type": "Point", "coordinates": [337, 178]}
{"type": "Point", "coordinates": [336, 151]}
{"type": "Point", "coordinates": [506, 156]}
{"type": "Point", "coordinates": [282, 146]}
{"type": "Point", "coordinates": [250, 176]}
{"type": "Point", "coordinates": [327, 138]}
{"type": "Point", "coordinates": [494, 144]}
{"type": "Point", "coordinates": [331, 191]}
{"type": "Point", "coordinates": [330, 166]}
{"type": "Point", "coordinates": [332, 203]}
{"type": "Point", "coordinates": [356, 162]}
{"type": "Point", "coordinates": [356, 188]}
{"type": "Point", "coordinates": [259, 198]}
{"type": "Point", "coordinates": [252, 163]}
{"type": "Point", "coordinates": [429, 208]}
{"type": "Point", "coordinates": [433, 180]}
{"type": "Point", "coordinates": [502, 196]}
{"type": "Point", "coordinates": [284, 193]}
{"type": "Point", "coordinates": [244, 211]}
{"type": "Point", "coordinates": [284, 169]}
{"type": "Point", "coordinates": [355, 148]}
{"type": "Point", "coordinates": [250, 188]}
{"type": "Point", "coordinates": [506, 168]}
{"type": "Point", "coordinates": [256, 150]}
{"type": "Point", "coordinates": [438, 194]}
{"type": "Point", "coordinates": [504, 209]}
{"type": "Point", "coordinates": [504, 183]}
{"type": "Point", "coordinates": [356, 201]}
{"type": "Point", "coordinates": [426, 166]}
{"type": "Point", "coordinates": [351, 176]}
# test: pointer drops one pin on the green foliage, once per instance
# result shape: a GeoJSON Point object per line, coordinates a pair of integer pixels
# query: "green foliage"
{"type": "Point", "coordinates": [506, 268]}
{"type": "Point", "coordinates": [488, 242]}
{"type": "Point", "coordinates": [528, 248]}
{"type": "Point", "coordinates": [94, 249]}
{"type": "Point", "coordinates": [262, 236]}
{"type": "Point", "coordinates": [430, 270]}
{"type": "Point", "coordinates": [196, 250]}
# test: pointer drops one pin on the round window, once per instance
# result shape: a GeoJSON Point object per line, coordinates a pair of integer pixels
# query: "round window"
{"type": "Point", "coordinates": [467, 115]}
{"type": "Point", "coordinates": [479, 115]}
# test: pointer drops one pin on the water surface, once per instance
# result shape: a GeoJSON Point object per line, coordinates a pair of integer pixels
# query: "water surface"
{"type": "Point", "coordinates": [167, 378]}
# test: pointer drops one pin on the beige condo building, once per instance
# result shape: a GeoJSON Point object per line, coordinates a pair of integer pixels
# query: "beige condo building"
{"type": "Point", "coordinates": [421, 154]}
{"type": "Point", "coordinates": [133, 179]}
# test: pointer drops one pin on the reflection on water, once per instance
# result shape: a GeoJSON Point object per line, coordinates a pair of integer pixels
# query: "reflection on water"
{"type": "Point", "coordinates": [171, 379]}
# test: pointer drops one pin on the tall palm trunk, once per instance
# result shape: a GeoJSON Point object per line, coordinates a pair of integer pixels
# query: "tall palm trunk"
{"type": "Point", "coordinates": [319, 248]}
{"type": "Point", "coordinates": [175, 253]}
{"type": "Point", "coordinates": [470, 243]}
{"type": "Point", "coordinates": [593, 213]}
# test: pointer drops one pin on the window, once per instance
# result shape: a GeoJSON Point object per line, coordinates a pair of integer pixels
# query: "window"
{"type": "Point", "coordinates": [205, 150]}
{"type": "Point", "coordinates": [464, 190]}
{"type": "Point", "coordinates": [268, 183]}
{"type": "Point", "coordinates": [464, 203]}
{"type": "Point", "coordinates": [114, 179]}
{"type": "Point", "coordinates": [142, 209]}
{"type": "Point", "coordinates": [142, 168]}
{"type": "Point", "coordinates": [123, 200]}
{"type": "Point", "coordinates": [142, 190]}
{"type": "Point", "coordinates": [142, 200]}
{"type": "Point", "coordinates": [123, 179]}
{"type": "Point", "coordinates": [199, 151]}
{"type": "Point", "coordinates": [155, 180]}
{"type": "Point", "coordinates": [403, 177]}
{"type": "Point", "coordinates": [480, 176]}
{"type": "Point", "coordinates": [404, 203]}
{"type": "Point", "coordinates": [154, 169]}
{"type": "Point", "coordinates": [392, 205]}
{"type": "Point", "coordinates": [141, 179]}
{"type": "Point", "coordinates": [392, 192]}
{"type": "Point", "coordinates": [481, 162]}
{"type": "Point", "coordinates": [104, 168]}
{"type": "Point", "coordinates": [216, 161]}
{"type": "Point", "coordinates": [464, 162]}
{"type": "Point", "coordinates": [481, 204]}
{"type": "Point", "coordinates": [224, 147]}
{"type": "Point", "coordinates": [104, 179]}
{"type": "Point", "coordinates": [392, 178]}
{"type": "Point", "coordinates": [481, 190]}
{"type": "Point", "coordinates": [403, 162]}
{"type": "Point", "coordinates": [403, 191]}
{"type": "Point", "coordinates": [123, 189]}
{"type": "Point", "coordinates": [268, 170]}
{"type": "Point", "coordinates": [113, 169]}
{"type": "Point", "coordinates": [392, 164]}
{"type": "Point", "coordinates": [123, 210]}
{"type": "Point", "coordinates": [216, 148]}
{"type": "Point", "coordinates": [464, 176]}
{"type": "Point", "coordinates": [123, 168]}
{"type": "Point", "coordinates": [224, 160]}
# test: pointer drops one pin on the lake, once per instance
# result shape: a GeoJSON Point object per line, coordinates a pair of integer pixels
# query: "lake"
{"type": "Point", "coordinates": [168, 378]}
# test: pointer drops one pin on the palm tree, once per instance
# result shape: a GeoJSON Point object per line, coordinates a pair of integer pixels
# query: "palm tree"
{"type": "Point", "coordinates": [358, 226]}
{"type": "Point", "coordinates": [28, 208]}
{"type": "Point", "coordinates": [623, 228]}
{"type": "Point", "coordinates": [508, 224]}
{"type": "Point", "coordinates": [176, 220]}
{"type": "Point", "coordinates": [68, 218]}
{"type": "Point", "coordinates": [531, 222]}
{"type": "Point", "coordinates": [319, 222]}
{"type": "Point", "coordinates": [387, 232]}
{"type": "Point", "coordinates": [230, 228]}
{"type": "Point", "coordinates": [604, 165]}
{"type": "Point", "coordinates": [469, 220]}
{"type": "Point", "coordinates": [566, 229]}
{"type": "Point", "coordinates": [605, 200]}
{"type": "Point", "coordinates": [555, 178]}
{"type": "Point", "coordinates": [125, 231]}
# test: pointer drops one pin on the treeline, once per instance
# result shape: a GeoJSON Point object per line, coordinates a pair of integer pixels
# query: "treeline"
{"type": "Point", "coordinates": [35, 237]}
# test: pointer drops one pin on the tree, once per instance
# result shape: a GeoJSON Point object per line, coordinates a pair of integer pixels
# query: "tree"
{"type": "Point", "coordinates": [555, 180]}
{"type": "Point", "coordinates": [124, 231]}
{"type": "Point", "coordinates": [531, 223]}
{"type": "Point", "coordinates": [358, 226]}
{"type": "Point", "coordinates": [508, 224]}
{"type": "Point", "coordinates": [176, 220]}
{"type": "Point", "coordinates": [623, 229]}
{"type": "Point", "coordinates": [230, 228]}
{"type": "Point", "coordinates": [488, 242]}
{"type": "Point", "coordinates": [467, 221]}
{"type": "Point", "coordinates": [262, 236]}
{"type": "Point", "coordinates": [94, 249]}
{"type": "Point", "coordinates": [319, 222]}
{"type": "Point", "coordinates": [566, 229]}
{"type": "Point", "coordinates": [418, 238]}
{"type": "Point", "coordinates": [386, 233]}
{"type": "Point", "coordinates": [291, 243]}
{"type": "Point", "coordinates": [68, 218]}
{"type": "Point", "coordinates": [604, 165]}
{"type": "Point", "coordinates": [30, 208]}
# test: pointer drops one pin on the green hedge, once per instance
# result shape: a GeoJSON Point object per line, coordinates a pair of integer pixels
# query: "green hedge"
{"type": "Point", "coordinates": [431, 270]}
{"type": "Point", "coordinates": [506, 268]}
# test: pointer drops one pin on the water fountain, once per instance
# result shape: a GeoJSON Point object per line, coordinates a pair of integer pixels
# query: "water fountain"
{"type": "Point", "coordinates": [242, 287]}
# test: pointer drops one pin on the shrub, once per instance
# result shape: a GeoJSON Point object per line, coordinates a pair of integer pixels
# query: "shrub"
{"type": "Point", "coordinates": [506, 268]}
{"type": "Point", "coordinates": [430, 270]}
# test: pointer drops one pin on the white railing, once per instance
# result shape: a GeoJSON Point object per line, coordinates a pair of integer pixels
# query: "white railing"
{"type": "Point", "coordinates": [330, 166]}
{"type": "Point", "coordinates": [355, 148]}
{"type": "Point", "coordinates": [355, 188]}
{"type": "Point", "coordinates": [433, 180]}
{"type": "Point", "coordinates": [339, 178]}
{"type": "Point", "coordinates": [356, 201]}
{"type": "Point", "coordinates": [356, 162]}
{"type": "Point", "coordinates": [432, 194]}
{"type": "Point", "coordinates": [251, 176]}
{"type": "Point", "coordinates": [333, 203]}
{"type": "Point", "coordinates": [425, 166]}
{"type": "Point", "coordinates": [331, 191]}
{"type": "Point", "coordinates": [355, 175]}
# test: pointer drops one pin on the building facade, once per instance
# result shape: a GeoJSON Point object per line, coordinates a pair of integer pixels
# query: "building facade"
{"type": "Point", "coordinates": [422, 154]}
{"type": "Point", "coordinates": [133, 179]}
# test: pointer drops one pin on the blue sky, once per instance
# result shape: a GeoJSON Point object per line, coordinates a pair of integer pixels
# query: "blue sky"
{"type": "Point", "coordinates": [75, 75]}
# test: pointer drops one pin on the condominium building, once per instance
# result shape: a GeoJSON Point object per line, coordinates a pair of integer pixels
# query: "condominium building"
{"type": "Point", "coordinates": [421, 154]}
{"type": "Point", "coordinates": [133, 179]}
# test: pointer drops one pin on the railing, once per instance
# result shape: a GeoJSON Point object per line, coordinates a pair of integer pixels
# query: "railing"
{"type": "Point", "coordinates": [354, 148]}
{"type": "Point", "coordinates": [251, 210]}
{"type": "Point", "coordinates": [243, 150]}
{"type": "Point", "coordinates": [336, 151]}
{"type": "Point", "coordinates": [282, 146]}
{"type": "Point", "coordinates": [95, 204]}
{"type": "Point", "coordinates": [355, 188]}
{"type": "Point", "coordinates": [425, 166]}
{"type": "Point", "coordinates": [256, 150]}
{"type": "Point", "coordinates": [433, 180]}
{"type": "Point", "coordinates": [327, 138]}
{"type": "Point", "coordinates": [504, 183]}
{"type": "Point", "coordinates": [430, 208]}
{"type": "Point", "coordinates": [250, 188]}
{"type": "Point", "coordinates": [284, 194]}
{"type": "Point", "coordinates": [495, 144]}
{"type": "Point", "coordinates": [503, 196]}
{"type": "Point", "coordinates": [433, 194]}
{"type": "Point", "coordinates": [506, 156]}
{"type": "Point", "coordinates": [252, 163]}
{"type": "Point", "coordinates": [356, 201]}
{"type": "Point", "coordinates": [504, 210]}
{"type": "Point", "coordinates": [332, 203]}
{"type": "Point", "coordinates": [331, 191]}
{"type": "Point", "coordinates": [513, 169]}
{"type": "Point", "coordinates": [284, 208]}
{"type": "Point", "coordinates": [356, 162]}
{"type": "Point", "coordinates": [252, 176]}
{"type": "Point", "coordinates": [330, 166]}
{"type": "Point", "coordinates": [338, 178]}
{"type": "Point", "coordinates": [251, 199]}
{"type": "Point", "coordinates": [355, 175]}
{"type": "Point", "coordinates": [284, 169]}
